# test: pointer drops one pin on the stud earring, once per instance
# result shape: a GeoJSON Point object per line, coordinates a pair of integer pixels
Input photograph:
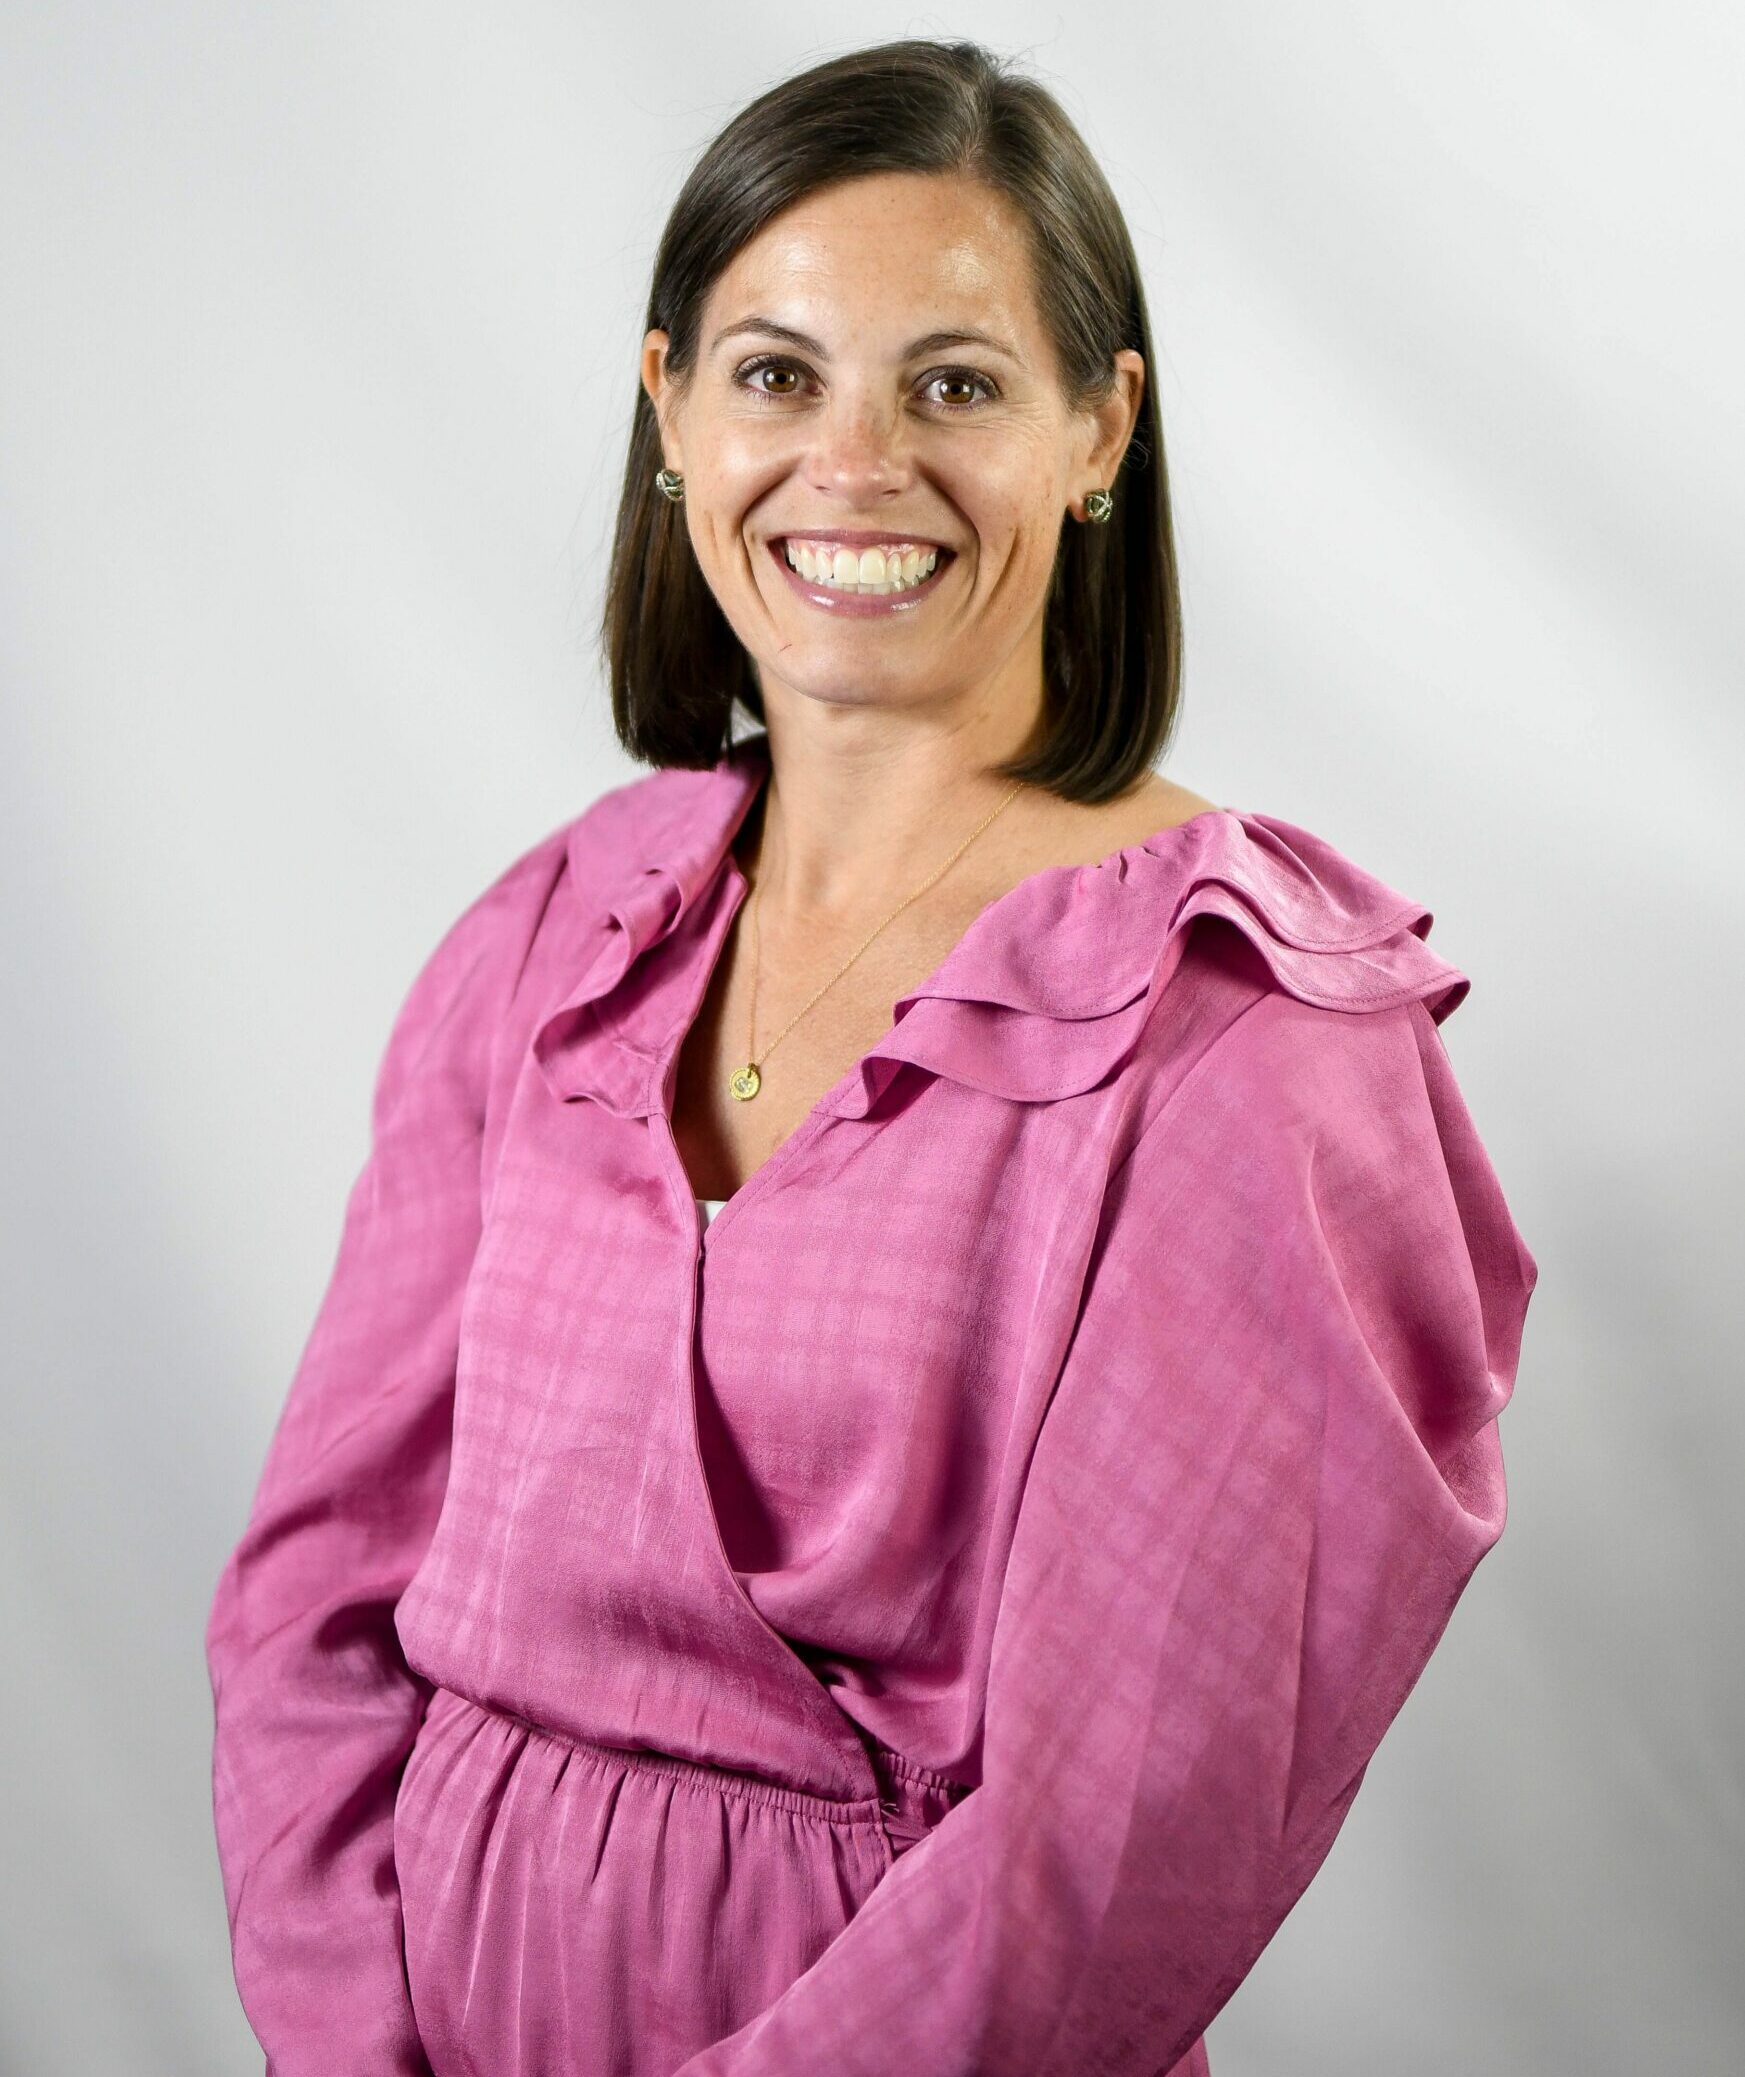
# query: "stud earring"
{"type": "Point", "coordinates": [1099, 506]}
{"type": "Point", "coordinates": [672, 484]}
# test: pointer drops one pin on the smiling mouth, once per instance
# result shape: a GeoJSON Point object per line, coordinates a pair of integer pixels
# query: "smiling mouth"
{"type": "Point", "coordinates": [861, 581]}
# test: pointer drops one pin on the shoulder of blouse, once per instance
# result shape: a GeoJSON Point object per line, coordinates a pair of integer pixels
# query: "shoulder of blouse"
{"type": "Point", "coordinates": [1057, 986]}
{"type": "Point", "coordinates": [452, 1015]}
{"type": "Point", "coordinates": [1304, 1137]}
{"type": "Point", "coordinates": [544, 912]}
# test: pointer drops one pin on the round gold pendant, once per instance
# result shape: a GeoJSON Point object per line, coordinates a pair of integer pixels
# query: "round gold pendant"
{"type": "Point", "coordinates": [746, 1083]}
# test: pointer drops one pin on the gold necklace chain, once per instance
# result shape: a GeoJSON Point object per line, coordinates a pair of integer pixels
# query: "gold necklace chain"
{"type": "Point", "coordinates": [745, 1081]}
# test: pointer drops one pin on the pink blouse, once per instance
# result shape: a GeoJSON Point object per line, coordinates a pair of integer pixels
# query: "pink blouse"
{"type": "Point", "coordinates": [931, 1619]}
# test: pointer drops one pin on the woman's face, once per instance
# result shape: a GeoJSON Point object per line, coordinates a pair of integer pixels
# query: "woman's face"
{"type": "Point", "coordinates": [872, 374]}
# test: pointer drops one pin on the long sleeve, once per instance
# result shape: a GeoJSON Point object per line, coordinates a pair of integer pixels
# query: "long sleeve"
{"type": "Point", "coordinates": [315, 1709]}
{"type": "Point", "coordinates": [1269, 1466]}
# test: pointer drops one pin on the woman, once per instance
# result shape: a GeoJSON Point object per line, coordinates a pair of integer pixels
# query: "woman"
{"type": "Point", "coordinates": [933, 1616]}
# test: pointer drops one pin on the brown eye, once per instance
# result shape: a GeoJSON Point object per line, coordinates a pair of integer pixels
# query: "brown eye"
{"type": "Point", "coordinates": [980, 388]}
{"type": "Point", "coordinates": [752, 373]}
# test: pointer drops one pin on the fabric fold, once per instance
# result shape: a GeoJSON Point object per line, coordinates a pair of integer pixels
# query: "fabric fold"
{"type": "Point", "coordinates": [1052, 988]}
{"type": "Point", "coordinates": [1048, 991]}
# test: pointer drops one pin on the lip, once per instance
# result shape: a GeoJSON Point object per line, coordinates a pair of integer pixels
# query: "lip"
{"type": "Point", "coordinates": [859, 605]}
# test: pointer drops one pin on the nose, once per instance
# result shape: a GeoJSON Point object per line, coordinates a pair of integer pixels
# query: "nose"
{"type": "Point", "coordinates": [859, 453]}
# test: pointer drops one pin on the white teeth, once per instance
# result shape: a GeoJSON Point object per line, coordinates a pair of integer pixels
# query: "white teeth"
{"type": "Point", "coordinates": [877, 571]}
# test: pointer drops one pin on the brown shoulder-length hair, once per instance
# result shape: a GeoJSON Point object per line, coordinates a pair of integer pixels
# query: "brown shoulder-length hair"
{"type": "Point", "coordinates": [1112, 639]}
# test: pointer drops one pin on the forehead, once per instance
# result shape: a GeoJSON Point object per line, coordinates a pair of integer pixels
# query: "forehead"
{"type": "Point", "coordinates": [876, 250]}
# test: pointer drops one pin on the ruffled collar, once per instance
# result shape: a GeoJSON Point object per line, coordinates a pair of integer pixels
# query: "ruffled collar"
{"type": "Point", "coordinates": [1041, 997]}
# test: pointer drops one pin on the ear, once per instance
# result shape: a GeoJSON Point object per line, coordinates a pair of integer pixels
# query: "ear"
{"type": "Point", "coordinates": [661, 393]}
{"type": "Point", "coordinates": [1112, 424]}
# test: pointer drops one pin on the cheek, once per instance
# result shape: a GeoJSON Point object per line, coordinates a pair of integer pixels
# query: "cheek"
{"type": "Point", "coordinates": [1011, 500]}
{"type": "Point", "coordinates": [736, 451]}
{"type": "Point", "coordinates": [1020, 534]}
{"type": "Point", "coordinates": [729, 483]}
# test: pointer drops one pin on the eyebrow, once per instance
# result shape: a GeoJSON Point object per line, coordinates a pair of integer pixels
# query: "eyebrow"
{"type": "Point", "coordinates": [929, 342]}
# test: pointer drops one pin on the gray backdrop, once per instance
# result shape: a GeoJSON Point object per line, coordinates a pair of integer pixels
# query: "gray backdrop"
{"type": "Point", "coordinates": [318, 333]}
